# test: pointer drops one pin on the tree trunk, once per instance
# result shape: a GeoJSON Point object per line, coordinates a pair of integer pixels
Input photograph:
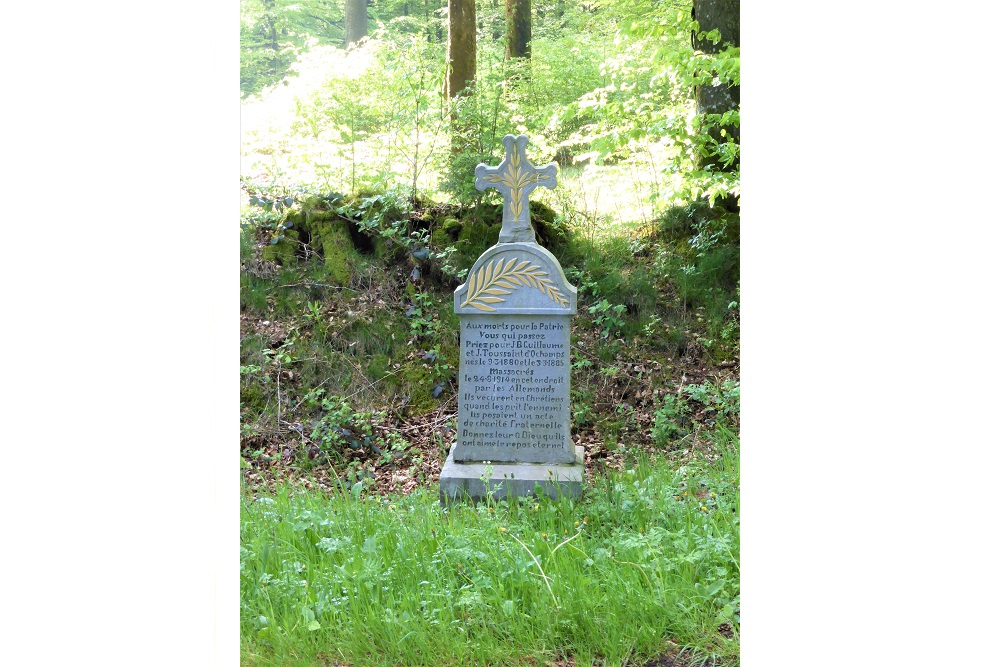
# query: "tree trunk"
{"type": "Point", "coordinates": [461, 57]}
{"type": "Point", "coordinates": [272, 18]}
{"type": "Point", "coordinates": [724, 16]}
{"type": "Point", "coordinates": [355, 21]}
{"type": "Point", "coordinates": [518, 28]}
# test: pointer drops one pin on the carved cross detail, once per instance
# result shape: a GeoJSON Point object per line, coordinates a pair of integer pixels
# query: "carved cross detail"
{"type": "Point", "coordinates": [515, 178]}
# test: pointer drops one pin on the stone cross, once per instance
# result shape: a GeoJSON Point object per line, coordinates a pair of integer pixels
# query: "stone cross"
{"type": "Point", "coordinates": [515, 178]}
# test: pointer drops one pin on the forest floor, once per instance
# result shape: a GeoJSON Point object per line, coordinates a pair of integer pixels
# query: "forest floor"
{"type": "Point", "coordinates": [276, 454]}
{"type": "Point", "coordinates": [620, 379]}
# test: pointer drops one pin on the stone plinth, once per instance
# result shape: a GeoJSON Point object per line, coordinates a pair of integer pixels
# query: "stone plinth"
{"type": "Point", "coordinates": [461, 481]}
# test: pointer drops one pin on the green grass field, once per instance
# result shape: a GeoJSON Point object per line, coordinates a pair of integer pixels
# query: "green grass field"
{"type": "Point", "coordinates": [645, 565]}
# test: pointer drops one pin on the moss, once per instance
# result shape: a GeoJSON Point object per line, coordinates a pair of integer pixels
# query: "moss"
{"type": "Point", "coordinates": [418, 383]}
{"type": "Point", "coordinates": [296, 217]}
{"type": "Point", "coordinates": [446, 232]}
{"type": "Point", "coordinates": [322, 229]}
{"type": "Point", "coordinates": [542, 212]}
{"type": "Point", "coordinates": [253, 397]}
{"type": "Point", "coordinates": [339, 254]}
{"type": "Point", "coordinates": [441, 239]}
{"type": "Point", "coordinates": [282, 252]}
{"type": "Point", "coordinates": [378, 368]}
{"type": "Point", "coordinates": [381, 249]}
{"type": "Point", "coordinates": [319, 215]}
{"type": "Point", "coordinates": [491, 214]}
{"type": "Point", "coordinates": [550, 233]}
{"type": "Point", "coordinates": [474, 239]}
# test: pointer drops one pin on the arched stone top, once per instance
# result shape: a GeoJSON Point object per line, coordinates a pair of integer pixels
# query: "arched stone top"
{"type": "Point", "coordinates": [518, 278]}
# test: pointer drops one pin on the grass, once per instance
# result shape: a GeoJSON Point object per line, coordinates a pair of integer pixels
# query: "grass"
{"type": "Point", "coordinates": [646, 563]}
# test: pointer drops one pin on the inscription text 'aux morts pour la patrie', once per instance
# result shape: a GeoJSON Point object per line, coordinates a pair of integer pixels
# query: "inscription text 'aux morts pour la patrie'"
{"type": "Point", "coordinates": [514, 312]}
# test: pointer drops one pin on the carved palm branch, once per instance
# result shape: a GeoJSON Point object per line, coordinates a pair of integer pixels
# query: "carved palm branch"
{"type": "Point", "coordinates": [494, 280]}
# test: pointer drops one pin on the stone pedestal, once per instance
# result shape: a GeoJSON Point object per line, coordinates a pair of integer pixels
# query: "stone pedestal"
{"type": "Point", "coordinates": [470, 481]}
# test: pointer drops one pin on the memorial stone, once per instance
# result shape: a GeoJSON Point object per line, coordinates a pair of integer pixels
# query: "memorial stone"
{"type": "Point", "coordinates": [514, 371]}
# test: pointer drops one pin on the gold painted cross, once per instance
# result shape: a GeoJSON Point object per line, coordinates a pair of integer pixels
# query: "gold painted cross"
{"type": "Point", "coordinates": [515, 178]}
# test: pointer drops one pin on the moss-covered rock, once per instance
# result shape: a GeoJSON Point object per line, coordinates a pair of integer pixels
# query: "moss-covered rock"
{"type": "Point", "coordinates": [282, 252]}
{"type": "Point", "coordinates": [473, 240]}
{"type": "Point", "coordinates": [327, 232]}
{"type": "Point", "coordinates": [441, 239]}
{"type": "Point", "coordinates": [339, 254]}
{"type": "Point", "coordinates": [446, 232]}
{"type": "Point", "coordinates": [479, 235]}
{"type": "Point", "coordinates": [550, 233]}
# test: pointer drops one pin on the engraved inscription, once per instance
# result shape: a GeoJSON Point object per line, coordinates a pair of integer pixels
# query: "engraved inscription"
{"type": "Point", "coordinates": [514, 386]}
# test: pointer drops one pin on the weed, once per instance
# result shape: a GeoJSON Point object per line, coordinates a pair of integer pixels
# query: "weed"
{"type": "Point", "coordinates": [583, 413]}
{"type": "Point", "coordinates": [669, 419]}
{"type": "Point", "coordinates": [652, 326]}
{"type": "Point", "coordinates": [420, 314]}
{"type": "Point", "coordinates": [314, 312]}
{"type": "Point", "coordinates": [722, 398]}
{"type": "Point", "coordinates": [608, 318]}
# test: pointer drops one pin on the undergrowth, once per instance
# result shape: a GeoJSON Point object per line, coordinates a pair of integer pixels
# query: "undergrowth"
{"type": "Point", "coordinates": [351, 295]}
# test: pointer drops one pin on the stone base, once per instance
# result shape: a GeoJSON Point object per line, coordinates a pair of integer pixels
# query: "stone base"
{"type": "Point", "coordinates": [460, 481]}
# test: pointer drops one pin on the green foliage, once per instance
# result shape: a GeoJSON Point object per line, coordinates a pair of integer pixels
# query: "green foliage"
{"type": "Point", "coordinates": [622, 292]}
{"type": "Point", "coordinates": [314, 312]}
{"type": "Point", "coordinates": [350, 361]}
{"type": "Point", "coordinates": [648, 98]}
{"type": "Point", "coordinates": [608, 318]}
{"type": "Point", "coordinates": [442, 373]}
{"type": "Point", "coordinates": [341, 430]}
{"type": "Point", "coordinates": [391, 107]}
{"type": "Point", "coordinates": [343, 112]}
{"type": "Point", "coordinates": [475, 136]}
{"type": "Point", "coordinates": [515, 97]}
{"type": "Point", "coordinates": [331, 431]}
{"type": "Point", "coordinates": [669, 418]}
{"type": "Point", "coordinates": [282, 354]}
{"type": "Point", "coordinates": [273, 33]}
{"type": "Point", "coordinates": [605, 82]}
{"type": "Point", "coordinates": [723, 399]}
{"type": "Point", "coordinates": [420, 314]}
{"type": "Point", "coordinates": [696, 251]}
{"type": "Point", "coordinates": [672, 418]}
{"type": "Point", "coordinates": [272, 216]}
